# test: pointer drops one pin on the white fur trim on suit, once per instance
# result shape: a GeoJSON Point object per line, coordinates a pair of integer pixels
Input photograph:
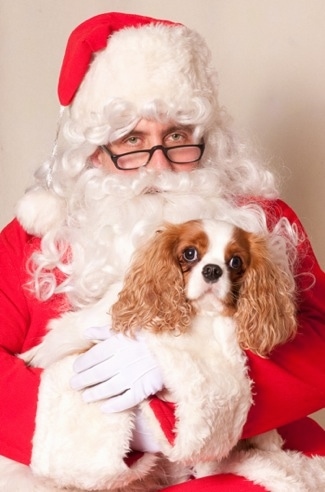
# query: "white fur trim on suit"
{"type": "Point", "coordinates": [16, 477]}
{"type": "Point", "coordinates": [40, 210]}
{"type": "Point", "coordinates": [266, 464]}
{"type": "Point", "coordinates": [76, 444]}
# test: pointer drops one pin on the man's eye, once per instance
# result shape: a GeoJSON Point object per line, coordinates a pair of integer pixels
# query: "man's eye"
{"type": "Point", "coordinates": [235, 263]}
{"type": "Point", "coordinates": [190, 254]}
{"type": "Point", "coordinates": [133, 140]}
{"type": "Point", "coordinates": [177, 138]}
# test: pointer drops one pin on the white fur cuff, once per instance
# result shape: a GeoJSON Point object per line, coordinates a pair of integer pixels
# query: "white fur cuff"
{"type": "Point", "coordinates": [75, 444]}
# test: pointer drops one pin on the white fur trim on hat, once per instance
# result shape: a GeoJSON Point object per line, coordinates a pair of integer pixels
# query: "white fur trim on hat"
{"type": "Point", "coordinates": [148, 63]}
{"type": "Point", "coordinates": [40, 210]}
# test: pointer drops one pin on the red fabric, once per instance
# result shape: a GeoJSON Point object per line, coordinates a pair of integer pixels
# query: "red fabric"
{"type": "Point", "coordinates": [88, 38]}
{"type": "Point", "coordinates": [304, 435]}
{"type": "Point", "coordinates": [288, 386]}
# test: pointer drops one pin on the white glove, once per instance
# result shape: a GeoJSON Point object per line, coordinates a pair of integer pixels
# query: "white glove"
{"type": "Point", "coordinates": [142, 438]}
{"type": "Point", "coordinates": [119, 369]}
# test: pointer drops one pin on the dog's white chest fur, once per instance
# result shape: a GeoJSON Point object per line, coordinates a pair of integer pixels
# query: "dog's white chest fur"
{"type": "Point", "coordinates": [205, 374]}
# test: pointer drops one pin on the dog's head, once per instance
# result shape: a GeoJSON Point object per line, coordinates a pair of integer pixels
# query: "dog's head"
{"type": "Point", "coordinates": [208, 267]}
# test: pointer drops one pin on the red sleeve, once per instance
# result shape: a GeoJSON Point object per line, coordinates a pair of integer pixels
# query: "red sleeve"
{"type": "Point", "coordinates": [22, 323]}
{"type": "Point", "coordinates": [291, 383]}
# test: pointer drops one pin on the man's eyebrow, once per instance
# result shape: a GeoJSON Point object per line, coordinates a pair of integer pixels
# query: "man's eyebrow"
{"type": "Point", "coordinates": [135, 132]}
{"type": "Point", "coordinates": [175, 128]}
{"type": "Point", "coordinates": [171, 129]}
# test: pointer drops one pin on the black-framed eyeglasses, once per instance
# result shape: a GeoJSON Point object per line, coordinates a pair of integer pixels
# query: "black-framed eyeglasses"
{"type": "Point", "coordinates": [180, 154]}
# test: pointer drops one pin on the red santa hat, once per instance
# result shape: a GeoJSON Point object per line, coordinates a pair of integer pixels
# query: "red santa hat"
{"type": "Point", "coordinates": [137, 59]}
{"type": "Point", "coordinates": [86, 40]}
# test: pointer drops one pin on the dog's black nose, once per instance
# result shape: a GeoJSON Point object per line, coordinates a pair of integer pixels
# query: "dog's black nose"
{"type": "Point", "coordinates": [211, 273]}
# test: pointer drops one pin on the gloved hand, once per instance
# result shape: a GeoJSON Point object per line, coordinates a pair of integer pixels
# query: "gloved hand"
{"type": "Point", "coordinates": [119, 370]}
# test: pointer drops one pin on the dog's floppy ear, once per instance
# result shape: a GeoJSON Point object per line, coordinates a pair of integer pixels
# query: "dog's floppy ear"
{"type": "Point", "coordinates": [153, 295]}
{"type": "Point", "coordinates": [266, 314]}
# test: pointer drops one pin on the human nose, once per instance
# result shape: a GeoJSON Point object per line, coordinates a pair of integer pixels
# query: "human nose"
{"type": "Point", "coordinates": [159, 160]}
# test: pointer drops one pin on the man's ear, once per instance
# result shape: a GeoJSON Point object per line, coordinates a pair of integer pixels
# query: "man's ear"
{"type": "Point", "coordinates": [96, 157]}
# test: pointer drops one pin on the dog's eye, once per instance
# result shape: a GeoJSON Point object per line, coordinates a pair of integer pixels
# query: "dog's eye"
{"type": "Point", "coordinates": [190, 254]}
{"type": "Point", "coordinates": [235, 263]}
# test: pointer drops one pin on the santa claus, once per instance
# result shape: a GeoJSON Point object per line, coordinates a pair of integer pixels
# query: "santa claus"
{"type": "Point", "coordinates": [142, 141]}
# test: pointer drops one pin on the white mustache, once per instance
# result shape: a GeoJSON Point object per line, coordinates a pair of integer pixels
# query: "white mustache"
{"type": "Point", "coordinates": [150, 182]}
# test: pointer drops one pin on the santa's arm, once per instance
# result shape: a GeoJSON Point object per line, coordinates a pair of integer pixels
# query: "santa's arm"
{"type": "Point", "coordinates": [75, 444]}
{"type": "Point", "coordinates": [43, 422]}
{"type": "Point", "coordinates": [290, 384]}
{"type": "Point", "coordinates": [18, 383]}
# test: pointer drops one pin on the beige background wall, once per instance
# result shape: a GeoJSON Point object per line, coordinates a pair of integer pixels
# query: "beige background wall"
{"type": "Point", "coordinates": [271, 60]}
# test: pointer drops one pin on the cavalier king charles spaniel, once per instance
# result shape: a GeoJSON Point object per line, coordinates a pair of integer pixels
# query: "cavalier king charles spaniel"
{"type": "Point", "coordinates": [200, 292]}
{"type": "Point", "coordinates": [213, 269]}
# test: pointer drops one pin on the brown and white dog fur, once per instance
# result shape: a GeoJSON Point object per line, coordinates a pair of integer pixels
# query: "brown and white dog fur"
{"type": "Point", "coordinates": [201, 292]}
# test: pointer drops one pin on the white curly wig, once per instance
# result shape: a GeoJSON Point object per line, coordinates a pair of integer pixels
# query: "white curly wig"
{"type": "Point", "coordinates": [154, 70]}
